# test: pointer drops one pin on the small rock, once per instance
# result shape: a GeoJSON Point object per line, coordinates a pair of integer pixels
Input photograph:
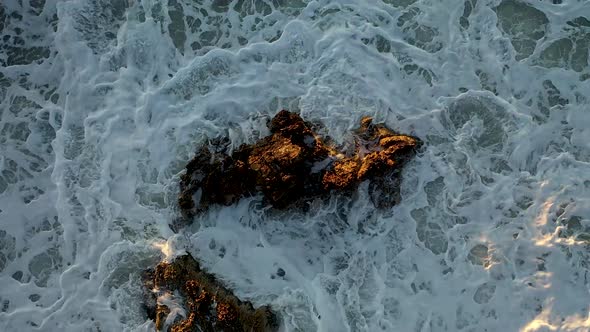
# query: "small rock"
{"type": "Point", "coordinates": [210, 305]}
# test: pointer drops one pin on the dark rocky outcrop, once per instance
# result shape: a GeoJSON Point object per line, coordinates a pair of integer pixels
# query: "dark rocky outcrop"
{"type": "Point", "coordinates": [210, 307]}
{"type": "Point", "coordinates": [290, 167]}
{"type": "Point", "coordinates": [294, 164]}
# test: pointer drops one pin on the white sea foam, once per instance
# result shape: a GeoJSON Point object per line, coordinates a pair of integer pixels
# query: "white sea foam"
{"type": "Point", "coordinates": [103, 103]}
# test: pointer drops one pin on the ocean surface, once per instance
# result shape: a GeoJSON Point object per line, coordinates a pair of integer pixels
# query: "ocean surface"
{"type": "Point", "coordinates": [104, 101]}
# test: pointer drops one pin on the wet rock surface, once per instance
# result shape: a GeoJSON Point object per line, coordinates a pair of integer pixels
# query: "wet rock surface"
{"type": "Point", "coordinates": [290, 167]}
{"type": "Point", "coordinates": [198, 301]}
{"type": "Point", "coordinates": [295, 165]}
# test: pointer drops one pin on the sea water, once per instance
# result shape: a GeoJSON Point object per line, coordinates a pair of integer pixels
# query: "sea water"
{"type": "Point", "coordinates": [103, 102]}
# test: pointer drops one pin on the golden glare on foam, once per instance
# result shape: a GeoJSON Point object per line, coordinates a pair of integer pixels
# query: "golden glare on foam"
{"type": "Point", "coordinates": [166, 249]}
{"type": "Point", "coordinates": [537, 324]}
{"type": "Point", "coordinates": [543, 217]}
{"type": "Point", "coordinates": [489, 264]}
{"type": "Point", "coordinates": [544, 240]}
{"type": "Point", "coordinates": [550, 239]}
{"type": "Point", "coordinates": [577, 323]}
{"type": "Point", "coordinates": [543, 279]}
{"type": "Point", "coordinates": [544, 321]}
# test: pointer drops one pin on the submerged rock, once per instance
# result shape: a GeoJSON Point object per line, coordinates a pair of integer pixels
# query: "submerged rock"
{"type": "Point", "coordinates": [181, 297]}
{"type": "Point", "coordinates": [295, 165]}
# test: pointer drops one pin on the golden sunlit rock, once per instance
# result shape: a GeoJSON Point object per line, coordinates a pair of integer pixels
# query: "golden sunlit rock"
{"type": "Point", "coordinates": [209, 305]}
{"type": "Point", "coordinates": [294, 164]}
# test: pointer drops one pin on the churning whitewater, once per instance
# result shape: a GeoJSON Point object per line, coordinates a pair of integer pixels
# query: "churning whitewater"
{"type": "Point", "coordinates": [103, 103]}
